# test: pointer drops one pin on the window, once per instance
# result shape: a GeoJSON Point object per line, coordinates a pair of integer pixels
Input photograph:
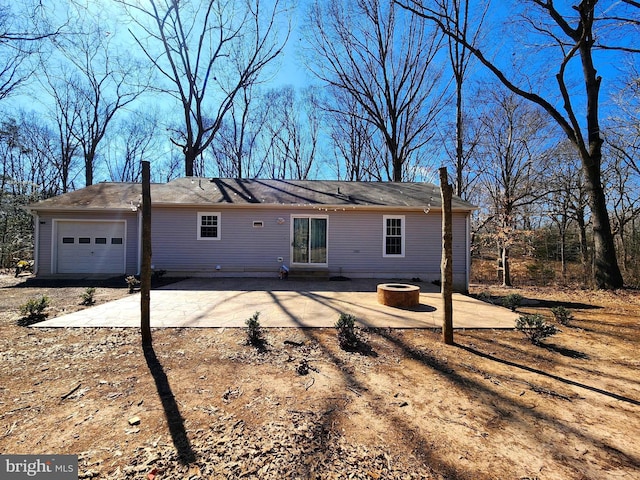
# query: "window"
{"type": "Point", "coordinates": [101, 241]}
{"type": "Point", "coordinates": [208, 226]}
{"type": "Point", "coordinates": [67, 239]}
{"type": "Point", "coordinates": [84, 240]}
{"type": "Point", "coordinates": [116, 241]}
{"type": "Point", "coordinates": [393, 238]}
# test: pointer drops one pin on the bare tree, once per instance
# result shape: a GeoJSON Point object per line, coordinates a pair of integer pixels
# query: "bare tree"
{"type": "Point", "coordinates": [568, 37]}
{"type": "Point", "coordinates": [353, 140]}
{"type": "Point", "coordinates": [23, 28]}
{"type": "Point", "coordinates": [132, 140]}
{"type": "Point", "coordinates": [516, 140]}
{"type": "Point", "coordinates": [460, 58]}
{"type": "Point", "coordinates": [207, 51]}
{"type": "Point", "coordinates": [294, 128]}
{"type": "Point", "coordinates": [25, 173]}
{"type": "Point", "coordinates": [236, 147]}
{"type": "Point", "coordinates": [623, 184]}
{"type": "Point", "coordinates": [567, 202]}
{"type": "Point", "coordinates": [92, 83]}
{"type": "Point", "coordinates": [384, 58]}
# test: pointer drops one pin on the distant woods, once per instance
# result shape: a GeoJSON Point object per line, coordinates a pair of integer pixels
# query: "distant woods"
{"type": "Point", "coordinates": [523, 108]}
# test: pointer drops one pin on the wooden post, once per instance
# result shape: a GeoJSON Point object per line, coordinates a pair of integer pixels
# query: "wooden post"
{"type": "Point", "coordinates": [446, 266]}
{"type": "Point", "coordinates": [145, 268]}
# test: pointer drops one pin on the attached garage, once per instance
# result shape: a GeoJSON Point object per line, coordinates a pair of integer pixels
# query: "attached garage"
{"type": "Point", "coordinates": [88, 246]}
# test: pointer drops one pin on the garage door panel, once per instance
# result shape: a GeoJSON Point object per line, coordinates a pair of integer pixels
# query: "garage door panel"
{"type": "Point", "coordinates": [90, 247]}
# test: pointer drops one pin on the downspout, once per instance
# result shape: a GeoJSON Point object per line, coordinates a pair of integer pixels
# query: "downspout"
{"type": "Point", "coordinates": [139, 260]}
{"type": "Point", "coordinates": [36, 242]}
{"type": "Point", "coordinates": [468, 249]}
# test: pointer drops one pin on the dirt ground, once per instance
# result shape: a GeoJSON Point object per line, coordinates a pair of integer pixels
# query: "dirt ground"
{"type": "Point", "coordinates": [209, 406]}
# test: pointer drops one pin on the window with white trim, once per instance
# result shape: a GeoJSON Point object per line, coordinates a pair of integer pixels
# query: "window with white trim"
{"type": "Point", "coordinates": [208, 225]}
{"type": "Point", "coordinates": [393, 236]}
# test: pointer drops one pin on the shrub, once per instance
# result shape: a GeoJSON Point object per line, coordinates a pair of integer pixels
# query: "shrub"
{"type": "Point", "coordinates": [132, 283]}
{"type": "Point", "coordinates": [254, 331]}
{"type": "Point", "coordinates": [562, 315]}
{"type": "Point", "coordinates": [33, 310]}
{"type": "Point", "coordinates": [535, 327]}
{"type": "Point", "coordinates": [346, 332]}
{"type": "Point", "coordinates": [87, 296]}
{"type": "Point", "coordinates": [512, 301]}
{"type": "Point", "coordinates": [484, 297]}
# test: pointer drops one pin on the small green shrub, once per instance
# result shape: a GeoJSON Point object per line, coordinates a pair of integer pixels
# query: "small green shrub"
{"type": "Point", "coordinates": [512, 301]}
{"type": "Point", "coordinates": [347, 337]}
{"type": "Point", "coordinates": [562, 315]}
{"type": "Point", "coordinates": [484, 297]}
{"type": "Point", "coordinates": [33, 310]}
{"type": "Point", "coordinates": [132, 283]}
{"type": "Point", "coordinates": [535, 327]}
{"type": "Point", "coordinates": [87, 296]}
{"type": "Point", "coordinates": [254, 331]}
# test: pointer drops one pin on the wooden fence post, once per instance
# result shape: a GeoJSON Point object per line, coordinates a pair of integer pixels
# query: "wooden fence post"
{"type": "Point", "coordinates": [145, 268]}
{"type": "Point", "coordinates": [446, 266]}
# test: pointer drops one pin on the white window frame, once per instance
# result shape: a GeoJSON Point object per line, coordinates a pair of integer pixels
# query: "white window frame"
{"type": "Point", "coordinates": [402, 234]}
{"type": "Point", "coordinates": [199, 225]}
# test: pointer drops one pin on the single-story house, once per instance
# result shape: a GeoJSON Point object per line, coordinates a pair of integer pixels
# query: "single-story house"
{"type": "Point", "coordinates": [241, 227]}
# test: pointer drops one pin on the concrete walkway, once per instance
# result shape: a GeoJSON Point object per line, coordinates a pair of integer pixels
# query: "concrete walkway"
{"type": "Point", "coordinates": [229, 302]}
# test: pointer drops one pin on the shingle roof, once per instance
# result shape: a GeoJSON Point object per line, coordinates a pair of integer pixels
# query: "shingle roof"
{"type": "Point", "coordinates": [217, 191]}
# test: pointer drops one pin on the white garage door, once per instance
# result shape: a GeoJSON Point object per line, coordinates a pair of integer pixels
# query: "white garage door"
{"type": "Point", "coordinates": [90, 247]}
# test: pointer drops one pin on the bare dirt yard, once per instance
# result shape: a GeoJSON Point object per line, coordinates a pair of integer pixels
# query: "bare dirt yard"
{"type": "Point", "coordinates": [205, 405]}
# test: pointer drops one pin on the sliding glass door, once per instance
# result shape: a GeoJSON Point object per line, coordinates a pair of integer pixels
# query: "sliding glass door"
{"type": "Point", "coordinates": [309, 240]}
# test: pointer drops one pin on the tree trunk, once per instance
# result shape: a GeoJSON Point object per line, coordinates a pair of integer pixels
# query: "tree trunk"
{"type": "Point", "coordinates": [506, 268]}
{"type": "Point", "coordinates": [145, 269]}
{"type": "Point", "coordinates": [446, 267]}
{"type": "Point", "coordinates": [190, 155]}
{"type": "Point", "coordinates": [459, 141]}
{"type": "Point", "coordinates": [606, 270]}
{"type": "Point", "coordinates": [88, 170]}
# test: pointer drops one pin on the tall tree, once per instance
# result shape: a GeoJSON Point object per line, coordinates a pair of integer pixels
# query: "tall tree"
{"type": "Point", "coordinates": [207, 51]}
{"type": "Point", "coordinates": [131, 141]}
{"type": "Point", "coordinates": [91, 82]}
{"type": "Point", "coordinates": [384, 58]}
{"type": "Point", "coordinates": [23, 27]}
{"type": "Point", "coordinates": [236, 148]}
{"type": "Point", "coordinates": [294, 130]}
{"type": "Point", "coordinates": [515, 145]}
{"type": "Point", "coordinates": [353, 140]}
{"type": "Point", "coordinates": [460, 58]}
{"type": "Point", "coordinates": [569, 38]}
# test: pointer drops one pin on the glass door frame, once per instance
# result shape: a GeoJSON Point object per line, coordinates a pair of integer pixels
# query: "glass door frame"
{"type": "Point", "coordinates": [326, 242]}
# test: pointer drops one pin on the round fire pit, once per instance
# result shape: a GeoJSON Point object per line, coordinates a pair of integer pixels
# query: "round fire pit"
{"type": "Point", "coordinates": [398, 295]}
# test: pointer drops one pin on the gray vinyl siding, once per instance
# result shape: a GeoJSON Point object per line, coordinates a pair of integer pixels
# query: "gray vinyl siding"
{"type": "Point", "coordinates": [355, 243]}
{"type": "Point", "coordinates": [242, 248]}
{"type": "Point", "coordinates": [46, 250]}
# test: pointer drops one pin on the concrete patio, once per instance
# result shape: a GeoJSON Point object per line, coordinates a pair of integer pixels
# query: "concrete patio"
{"type": "Point", "coordinates": [229, 302]}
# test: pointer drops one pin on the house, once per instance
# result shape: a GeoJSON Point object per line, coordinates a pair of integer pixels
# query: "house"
{"type": "Point", "coordinates": [240, 227]}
